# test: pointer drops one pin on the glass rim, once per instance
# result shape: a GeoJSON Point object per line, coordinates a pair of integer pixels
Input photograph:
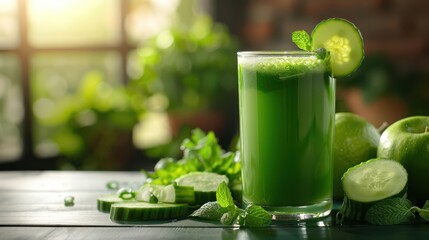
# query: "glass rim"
{"type": "Point", "coordinates": [275, 53]}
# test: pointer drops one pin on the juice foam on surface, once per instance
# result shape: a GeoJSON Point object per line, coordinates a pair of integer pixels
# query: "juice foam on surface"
{"type": "Point", "coordinates": [274, 64]}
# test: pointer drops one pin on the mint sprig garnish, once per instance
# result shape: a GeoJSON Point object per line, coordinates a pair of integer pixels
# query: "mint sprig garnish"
{"type": "Point", "coordinates": [302, 39]}
{"type": "Point", "coordinates": [225, 211]}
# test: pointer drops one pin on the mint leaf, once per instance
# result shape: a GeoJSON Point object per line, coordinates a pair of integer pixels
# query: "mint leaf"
{"type": "Point", "coordinates": [256, 216]}
{"type": "Point", "coordinates": [210, 211]}
{"type": "Point", "coordinates": [302, 39]}
{"type": "Point", "coordinates": [390, 211]}
{"type": "Point", "coordinates": [229, 217]}
{"type": "Point", "coordinates": [424, 212]}
{"type": "Point", "coordinates": [223, 196]}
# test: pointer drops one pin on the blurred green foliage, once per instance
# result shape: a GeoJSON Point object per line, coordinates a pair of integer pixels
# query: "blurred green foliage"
{"type": "Point", "coordinates": [373, 77]}
{"type": "Point", "coordinates": [194, 67]}
{"type": "Point", "coordinates": [92, 127]}
{"type": "Point", "coordinates": [192, 64]}
{"type": "Point", "coordinates": [380, 76]}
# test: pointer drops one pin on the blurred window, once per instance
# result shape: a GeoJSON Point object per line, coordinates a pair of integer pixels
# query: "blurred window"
{"type": "Point", "coordinates": [48, 46]}
{"type": "Point", "coordinates": [11, 108]}
{"type": "Point", "coordinates": [9, 29]}
{"type": "Point", "coordinates": [61, 23]}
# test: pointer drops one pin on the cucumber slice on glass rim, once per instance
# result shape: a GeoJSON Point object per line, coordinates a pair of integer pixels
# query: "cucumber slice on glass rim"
{"type": "Point", "coordinates": [344, 42]}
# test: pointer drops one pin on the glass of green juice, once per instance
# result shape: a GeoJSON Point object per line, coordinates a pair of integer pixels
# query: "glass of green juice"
{"type": "Point", "coordinates": [287, 109]}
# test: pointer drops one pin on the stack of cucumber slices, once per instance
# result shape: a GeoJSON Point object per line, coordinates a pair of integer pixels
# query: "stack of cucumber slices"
{"type": "Point", "coordinates": [163, 202]}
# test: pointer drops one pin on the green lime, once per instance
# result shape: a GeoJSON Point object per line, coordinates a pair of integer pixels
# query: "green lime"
{"type": "Point", "coordinates": [407, 141]}
{"type": "Point", "coordinates": [344, 42]}
{"type": "Point", "coordinates": [355, 141]}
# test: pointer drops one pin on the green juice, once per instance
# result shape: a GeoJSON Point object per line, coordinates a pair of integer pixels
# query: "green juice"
{"type": "Point", "coordinates": [287, 108]}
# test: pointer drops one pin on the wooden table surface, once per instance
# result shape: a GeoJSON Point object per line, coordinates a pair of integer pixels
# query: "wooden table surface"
{"type": "Point", "coordinates": [32, 207]}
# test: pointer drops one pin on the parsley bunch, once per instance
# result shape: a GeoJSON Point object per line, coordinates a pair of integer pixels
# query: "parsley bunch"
{"type": "Point", "coordinates": [201, 152]}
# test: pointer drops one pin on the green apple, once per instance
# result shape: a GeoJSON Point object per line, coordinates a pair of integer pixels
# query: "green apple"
{"type": "Point", "coordinates": [407, 141]}
{"type": "Point", "coordinates": [355, 141]}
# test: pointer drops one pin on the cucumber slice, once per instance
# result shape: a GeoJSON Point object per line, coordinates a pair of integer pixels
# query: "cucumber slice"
{"type": "Point", "coordinates": [141, 211]}
{"type": "Point", "coordinates": [344, 42]}
{"type": "Point", "coordinates": [374, 180]}
{"type": "Point", "coordinates": [168, 194]}
{"type": "Point", "coordinates": [369, 183]}
{"type": "Point", "coordinates": [105, 201]}
{"type": "Point", "coordinates": [204, 183]}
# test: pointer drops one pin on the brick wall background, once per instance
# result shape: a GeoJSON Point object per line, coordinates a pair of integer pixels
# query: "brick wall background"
{"type": "Point", "coordinates": [396, 32]}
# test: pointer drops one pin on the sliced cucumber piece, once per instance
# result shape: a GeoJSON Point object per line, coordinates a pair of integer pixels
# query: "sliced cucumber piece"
{"type": "Point", "coordinates": [344, 42]}
{"type": "Point", "coordinates": [369, 183]}
{"type": "Point", "coordinates": [141, 211]}
{"type": "Point", "coordinates": [374, 180]}
{"type": "Point", "coordinates": [171, 193]}
{"type": "Point", "coordinates": [204, 183]}
{"type": "Point", "coordinates": [105, 201]}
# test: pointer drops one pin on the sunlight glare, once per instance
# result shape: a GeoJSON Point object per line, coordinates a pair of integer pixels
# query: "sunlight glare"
{"type": "Point", "coordinates": [7, 5]}
{"type": "Point", "coordinates": [52, 5]}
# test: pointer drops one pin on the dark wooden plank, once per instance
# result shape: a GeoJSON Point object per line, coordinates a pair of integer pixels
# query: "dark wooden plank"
{"type": "Point", "coordinates": [33, 208]}
{"type": "Point", "coordinates": [47, 208]}
{"type": "Point", "coordinates": [349, 233]}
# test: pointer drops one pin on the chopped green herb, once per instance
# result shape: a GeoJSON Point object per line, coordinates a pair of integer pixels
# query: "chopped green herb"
{"type": "Point", "coordinates": [113, 185]}
{"type": "Point", "coordinates": [126, 193]}
{"type": "Point", "coordinates": [153, 198]}
{"type": "Point", "coordinates": [69, 201]}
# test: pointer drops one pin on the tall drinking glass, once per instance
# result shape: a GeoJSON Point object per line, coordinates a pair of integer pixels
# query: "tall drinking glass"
{"type": "Point", "coordinates": [287, 109]}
